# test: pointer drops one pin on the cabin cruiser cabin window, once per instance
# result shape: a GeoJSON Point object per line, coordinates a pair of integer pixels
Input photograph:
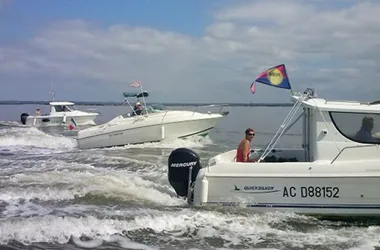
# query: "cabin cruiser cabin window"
{"type": "Point", "coordinates": [64, 108]}
{"type": "Point", "coordinates": [358, 127]}
{"type": "Point", "coordinates": [71, 107]}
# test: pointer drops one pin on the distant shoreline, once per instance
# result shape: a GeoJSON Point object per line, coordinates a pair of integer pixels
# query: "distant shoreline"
{"type": "Point", "coordinates": [166, 104]}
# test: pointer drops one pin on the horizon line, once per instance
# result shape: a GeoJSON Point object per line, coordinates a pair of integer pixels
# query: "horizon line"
{"type": "Point", "coordinates": [94, 103]}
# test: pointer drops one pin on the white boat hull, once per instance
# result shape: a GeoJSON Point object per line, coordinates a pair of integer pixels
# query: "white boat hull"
{"type": "Point", "coordinates": [61, 113]}
{"type": "Point", "coordinates": [346, 188]}
{"type": "Point", "coordinates": [324, 195]}
{"type": "Point", "coordinates": [153, 128]}
{"type": "Point", "coordinates": [47, 121]}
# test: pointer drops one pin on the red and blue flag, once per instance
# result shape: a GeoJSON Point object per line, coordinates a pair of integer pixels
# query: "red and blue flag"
{"type": "Point", "coordinates": [275, 77]}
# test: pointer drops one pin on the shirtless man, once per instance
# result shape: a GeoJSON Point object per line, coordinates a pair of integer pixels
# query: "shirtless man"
{"type": "Point", "coordinates": [244, 147]}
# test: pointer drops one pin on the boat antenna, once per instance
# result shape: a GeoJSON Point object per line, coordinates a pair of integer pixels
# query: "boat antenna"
{"type": "Point", "coordinates": [52, 93]}
{"type": "Point", "coordinates": [307, 93]}
{"type": "Point", "coordinates": [143, 96]}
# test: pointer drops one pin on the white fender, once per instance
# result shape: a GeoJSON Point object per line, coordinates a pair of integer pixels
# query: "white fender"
{"type": "Point", "coordinates": [204, 192]}
{"type": "Point", "coordinates": [162, 132]}
{"type": "Point", "coordinates": [64, 118]}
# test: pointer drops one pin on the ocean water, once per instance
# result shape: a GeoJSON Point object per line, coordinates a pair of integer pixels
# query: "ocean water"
{"type": "Point", "coordinates": [56, 196]}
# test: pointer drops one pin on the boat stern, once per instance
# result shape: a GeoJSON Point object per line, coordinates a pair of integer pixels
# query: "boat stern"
{"type": "Point", "coordinates": [23, 118]}
{"type": "Point", "coordinates": [184, 166]}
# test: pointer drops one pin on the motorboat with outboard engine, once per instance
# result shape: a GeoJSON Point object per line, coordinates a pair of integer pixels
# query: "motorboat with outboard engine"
{"type": "Point", "coordinates": [152, 123]}
{"type": "Point", "coordinates": [61, 113]}
{"type": "Point", "coordinates": [336, 172]}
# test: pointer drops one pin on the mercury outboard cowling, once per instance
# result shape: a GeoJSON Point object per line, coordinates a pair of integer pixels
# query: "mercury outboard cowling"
{"type": "Point", "coordinates": [23, 118]}
{"type": "Point", "coordinates": [180, 161]}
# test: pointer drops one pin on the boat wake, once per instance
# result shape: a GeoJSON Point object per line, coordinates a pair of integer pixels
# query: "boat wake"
{"type": "Point", "coordinates": [192, 142]}
{"type": "Point", "coordinates": [10, 124]}
{"type": "Point", "coordinates": [30, 140]}
{"type": "Point", "coordinates": [15, 137]}
{"type": "Point", "coordinates": [188, 229]}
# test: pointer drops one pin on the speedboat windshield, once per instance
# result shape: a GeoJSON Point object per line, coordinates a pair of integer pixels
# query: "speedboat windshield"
{"type": "Point", "coordinates": [156, 108]}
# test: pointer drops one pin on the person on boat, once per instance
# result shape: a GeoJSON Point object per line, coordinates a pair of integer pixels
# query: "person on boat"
{"type": "Point", "coordinates": [138, 107]}
{"type": "Point", "coordinates": [38, 112]}
{"type": "Point", "coordinates": [244, 148]}
{"type": "Point", "coordinates": [364, 134]}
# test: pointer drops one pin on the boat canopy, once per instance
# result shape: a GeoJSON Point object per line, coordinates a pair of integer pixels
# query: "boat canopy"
{"type": "Point", "coordinates": [61, 103]}
{"type": "Point", "coordinates": [135, 94]}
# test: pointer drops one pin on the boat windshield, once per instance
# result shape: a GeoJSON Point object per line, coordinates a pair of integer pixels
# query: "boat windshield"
{"type": "Point", "coordinates": [156, 108]}
{"type": "Point", "coordinates": [71, 107]}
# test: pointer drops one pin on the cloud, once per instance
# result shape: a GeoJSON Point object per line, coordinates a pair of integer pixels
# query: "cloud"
{"type": "Point", "coordinates": [281, 12]}
{"type": "Point", "coordinates": [333, 48]}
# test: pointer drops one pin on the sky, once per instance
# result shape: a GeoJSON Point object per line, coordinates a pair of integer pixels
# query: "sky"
{"type": "Point", "coordinates": [188, 51]}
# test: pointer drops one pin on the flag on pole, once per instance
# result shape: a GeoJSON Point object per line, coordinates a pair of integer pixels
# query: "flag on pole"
{"type": "Point", "coordinates": [72, 124]}
{"type": "Point", "coordinates": [253, 87]}
{"type": "Point", "coordinates": [73, 121]}
{"type": "Point", "coordinates": [135, 84]}
{"type": "Point", "coordinates": [276, 77]}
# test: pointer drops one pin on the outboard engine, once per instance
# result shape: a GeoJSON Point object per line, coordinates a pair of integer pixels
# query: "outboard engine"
{"type": "Point", "coordinates": [181, 161]}
{"type": "Point", "coordinates": [23, 118]}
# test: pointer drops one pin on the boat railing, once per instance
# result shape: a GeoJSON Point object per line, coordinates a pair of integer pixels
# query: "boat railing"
{"type": "Point", "coordinates": [211, 105]}
{"type": "Point", "coordinates": [202, 106]}
{"type": "Point", "coordinates": [163, 117]}
{"type": "Point", "coordinates": [355, 146]}
{"type": "Point", "coordinates": [344, 102]}
{"type": "Point", "coordinates": [149, 110]}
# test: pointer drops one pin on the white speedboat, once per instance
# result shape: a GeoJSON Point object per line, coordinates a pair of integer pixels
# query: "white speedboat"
{"type": "Point", "coordinates": [336, 172]}
{"type": "Point", "coordinates": [153, 124]}
{"type": "Point", "coordinates": [61, 113]}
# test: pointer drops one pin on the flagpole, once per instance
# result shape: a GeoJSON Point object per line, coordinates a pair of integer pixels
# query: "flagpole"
{"type": "Point", "coordinates": [142, 92]}
{"type": "Point", "coordinates": [291, 89]}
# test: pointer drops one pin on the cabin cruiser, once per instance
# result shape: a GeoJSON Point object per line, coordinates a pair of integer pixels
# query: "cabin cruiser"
{"type": "Point", "coordinates": [61, 113]}
{"type": "Point", "coordinates": [144, 124]}
{"type": "Point", "coordinates": [336, 172]}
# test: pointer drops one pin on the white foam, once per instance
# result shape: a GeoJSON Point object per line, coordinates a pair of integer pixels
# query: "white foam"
{"type": "Point", "coordinates": [10, 123]}
{"type": "Point", "coordinates": [41, 193]}
{"type": "Point", "coordinates": [127, 243]}
{"type": "Point", "coordinates": [233, 229]}
{"type": "Point", "coordinates": [87, 244]}
{"type": "Point", "coordinates": [18, 138]}
{"type": "Point", "coordinates": [57, 229]}
{"type": "Point", "coordinates": [118, 160]}
{"type": "Point", "coordinates": [26, 209]}
{"type": "Point", "coordinates": [77, 184]}
{"type": "Point", "coordinates": [11, 167]}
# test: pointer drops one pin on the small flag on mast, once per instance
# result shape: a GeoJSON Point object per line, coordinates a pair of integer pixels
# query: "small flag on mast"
{"type": "Point", "coordinates": [135, 84]}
